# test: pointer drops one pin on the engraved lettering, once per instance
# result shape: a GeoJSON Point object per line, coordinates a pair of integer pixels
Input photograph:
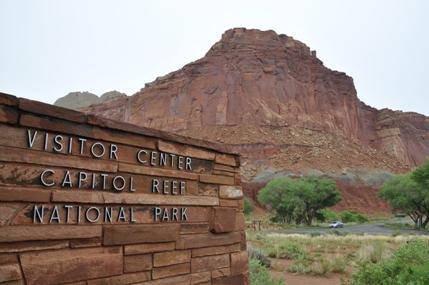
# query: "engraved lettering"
{"type": "Point", "coordinates": [156, 213]}
{"type": "Point", "coordinates": [54, 215]}
{"type": "Point", "coordinates": [163, 159]}
{"type": "Point", "coordinates": [103, 179]}
{"type": "Point", "coordinates": [31, 138]}
{"type": "Point", "coordinates": [121, 215]}
{"type": "Point", "coordinates": [67, 180]}
{"type": "Point", "coordinates": [113, 152]}
{"type": "Point", "coordinates": [184, 215]}
{"type": "Point", "coordinates": [82, 177]}
{"type": "Point", "coordinates": [58, 142]}
{"type": "Point", "coordinates": [140, 153]}
{"type": "Point", "coordinates": [188, 163]}
{"type": "Point", "coordinates": [88, 216]}
{"type": "Point", "coordinates": [132, 219]}
{"type": "Point", "coordinates": [81, 142]}
{"type": "Point", "coordinates": [165, 186]}
{"type": "Point", "coordinates": [101, 148]}
{"type": "Point", "coordinates": [155, 185]}
{"type": "Point", "coordinates": [165, 216]}
{"type": "Point", "coordinates": [180, 162]}
{"type": "Point", "coordinates": [132, 184]}
{"type": "Point", "coordinates": [70, 145]}
{"type": "Point", "coordinates": [45, 173]}
{"type": "Point", "coordinates": [68, 207]}
{"type": "Point", "coordinates": [153, 158]}
{"type": "Point", "coordinates": [38, 214]}
{"type": "Point", "coordinates": [182, 187]}
{"type": "Point", "coordinates": [108, 214]}
{"type": "Point", "coordinates": [122, 183]}
{"type": "Point", "coordinates": [174, 214]}
{"type": "Point", "coordinates": [46, 141]}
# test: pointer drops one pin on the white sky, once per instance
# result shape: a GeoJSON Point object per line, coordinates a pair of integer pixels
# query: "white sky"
{"type": "Point", "coordinates": [50, 48]}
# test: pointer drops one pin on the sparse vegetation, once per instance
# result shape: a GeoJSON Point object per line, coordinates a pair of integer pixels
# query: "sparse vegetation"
{"type": "Point", "coordinates": [325, 255]}
{"type": "Point", "coordinates": [299, 200]}
{"type": "Point", "coordinates": [258, 254]}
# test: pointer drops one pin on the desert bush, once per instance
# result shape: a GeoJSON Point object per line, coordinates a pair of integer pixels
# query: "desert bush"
{"type": "Point", "coordinates": [408, 265]}
{"type": "Point", "coordinates": [259, 274]}
{"type": "Point", "coordinates": [329, 215]}
{"type": "Point", "coordinates": [338, 265]}
{"type": "Point", "coordinates": [258, 254]}
{"type": "Point", "coordinates": [321, 268]}
{"type": "Point", "coordinates": [285, 249]}
{"type": "Point", "coordinates": [301, 265]}
{"type": "Point", "coordinates": [352, 216]}
{"type": "Point", "coordinates": [248, 207]}
{"type": "Point", "coordinates": [373, 252]}
{"type": "Point", "coordinates": [290, 250]}
{"type": "Point", "coordinates": [345, 216]}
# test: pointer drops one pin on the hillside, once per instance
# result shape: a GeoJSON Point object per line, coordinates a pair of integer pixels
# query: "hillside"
{"type": "Point", "coordinates": [274, 101]}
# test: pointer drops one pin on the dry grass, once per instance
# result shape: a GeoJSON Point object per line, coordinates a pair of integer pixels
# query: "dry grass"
{"type": "Point", "coordinates": [326, 254]}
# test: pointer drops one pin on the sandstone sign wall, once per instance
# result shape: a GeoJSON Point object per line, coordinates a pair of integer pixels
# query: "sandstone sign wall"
{"type": "Point", "coordinates": [85, 200]}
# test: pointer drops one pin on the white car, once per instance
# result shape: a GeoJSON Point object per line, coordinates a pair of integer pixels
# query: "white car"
{"type": "Point", "coordinates": [336, 224]}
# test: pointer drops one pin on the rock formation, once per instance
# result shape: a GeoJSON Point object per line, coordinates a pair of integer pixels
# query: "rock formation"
{"type": "Point", "coordinates": [78, 100]}
{"type": "Point", "coordinates": [274, 101]}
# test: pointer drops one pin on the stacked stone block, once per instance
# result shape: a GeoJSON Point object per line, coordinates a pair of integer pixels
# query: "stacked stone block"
{"type": "Point", "coordinates": [208, 247]}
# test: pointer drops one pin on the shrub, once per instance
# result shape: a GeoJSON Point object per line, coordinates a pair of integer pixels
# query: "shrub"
{"type": "Point", "coordinates": [290, 250]}
{"type": "Point", "coordinates": [259, 274]}
{"type": "Point", "coordinates": [352, 216]}
{"type": "Point", "coordinates": [373, 252]}
{"type": "Point", "coordinates": [329, 215]}
{"type": "Point", "coordinates": [408, 265]}
{"type": "Point", "coordinates": [338, 265]}
{"type": "Point", "coordinates": [258, 254]}
{"type": "Point", "coordinates": [248, 207]}
{"type": "Point", "coordinates": [301, 265]}
{"type": "Point", "coordinates": [285, 249]}
{"type": "Point", "coordinates": [345, 216]}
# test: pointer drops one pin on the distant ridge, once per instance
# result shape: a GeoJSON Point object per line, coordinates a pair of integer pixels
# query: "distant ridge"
{"type": "Point", "coordinates": [79, 100]}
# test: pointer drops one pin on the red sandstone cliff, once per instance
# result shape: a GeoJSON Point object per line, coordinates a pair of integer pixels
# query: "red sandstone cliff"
{"type": "Point", "coordinates": [270, 97]}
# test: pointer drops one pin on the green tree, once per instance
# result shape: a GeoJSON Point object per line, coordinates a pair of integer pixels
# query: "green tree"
{"type": "Point", "coordinates": [299, 200]}
{"type": "Point", "coordinates": [409, 193]}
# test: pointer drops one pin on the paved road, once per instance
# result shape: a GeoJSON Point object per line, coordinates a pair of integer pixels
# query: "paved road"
{"type": "Point", "coordinates": [372, 228]}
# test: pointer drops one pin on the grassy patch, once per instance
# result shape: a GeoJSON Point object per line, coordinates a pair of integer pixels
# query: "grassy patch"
{"type": "Point", "coordinates": [321, 255]}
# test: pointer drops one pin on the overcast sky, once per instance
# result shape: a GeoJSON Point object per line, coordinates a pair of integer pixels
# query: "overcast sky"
{"type": "Point", "coordinates": [50, 48]}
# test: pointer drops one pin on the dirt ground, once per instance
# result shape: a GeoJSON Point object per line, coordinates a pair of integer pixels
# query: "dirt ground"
{"type": "Point", "coordinates": [300, 279]}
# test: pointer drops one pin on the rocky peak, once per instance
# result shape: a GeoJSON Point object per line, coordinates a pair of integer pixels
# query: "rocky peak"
{"type": "Point", "coordinates": [242, 38]}
{"type": "Point", "coordinates": [273, 100]}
